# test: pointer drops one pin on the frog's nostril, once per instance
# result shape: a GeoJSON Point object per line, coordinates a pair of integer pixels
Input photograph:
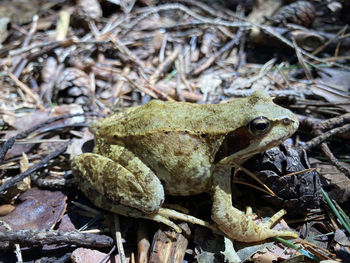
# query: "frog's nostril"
{"type": "Point", "coordinates": [287, 121]}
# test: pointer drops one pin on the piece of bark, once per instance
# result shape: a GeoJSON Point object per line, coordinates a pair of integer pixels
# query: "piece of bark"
{"type": "Point", "coordinates": [40, 238]}
{"type": "Point", "coordinates": [169, 246]}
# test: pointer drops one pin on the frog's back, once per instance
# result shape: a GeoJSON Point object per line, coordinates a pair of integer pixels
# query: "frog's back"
{"type": "Point", "coordinates": [167, 116]}
{"type": "Point", "coordinates": [157, 116]}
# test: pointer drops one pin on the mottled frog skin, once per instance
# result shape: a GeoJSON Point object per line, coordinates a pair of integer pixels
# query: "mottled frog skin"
{"type": "Point", "coordinates": [182, 149]}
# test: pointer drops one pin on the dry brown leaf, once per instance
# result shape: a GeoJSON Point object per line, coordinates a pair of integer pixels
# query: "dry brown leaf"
{"type": "Point", "coordinates": [341, 190]}
{"type": "Point", "coordinates": [333, 85]}
{"type": "Point", "coordinates": [39, 210]}
{"type": "Point", "coordinates": [77, 145]}
{"type": "Point", "coordinates": [66, 225]}
{"type": "Point", "coordinates": [20, 187]}
{"type": "Point", "coordinates": [264, 257]}
{"type": "Point", "coordinates": [29, 120]}
{"type": "Point", "coordinates": [85, 255]}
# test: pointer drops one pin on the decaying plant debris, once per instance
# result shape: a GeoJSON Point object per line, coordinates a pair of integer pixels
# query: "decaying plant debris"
{"type": "Point", "coordinates": [65, 64]}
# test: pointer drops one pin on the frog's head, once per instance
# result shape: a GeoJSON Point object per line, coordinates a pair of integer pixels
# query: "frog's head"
{"type": "Point", "coordinates": [264, 126]}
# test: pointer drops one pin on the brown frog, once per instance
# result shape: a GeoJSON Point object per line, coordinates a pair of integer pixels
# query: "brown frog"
{"type": "Point", "coordinates": [182, 149]}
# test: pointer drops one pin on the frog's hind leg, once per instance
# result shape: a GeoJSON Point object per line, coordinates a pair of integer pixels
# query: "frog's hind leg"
{"type": "Point", "coordinates": [137, 188]}
{"type": "Point", "coordinates": [104, 203]}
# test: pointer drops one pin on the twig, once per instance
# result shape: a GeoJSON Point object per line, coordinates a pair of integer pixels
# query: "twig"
{"type": "Point", "coordinates": [45, 46]}
{"type": "Point", "coordinates": [334, 160]}
{"type": "Point", "coordinates": [164, 67]}
{"type": "Point", "coordinates": [32, 169]}
{"type": "Point", "coordinates": [284, 40]}
{"type": "Point", "coordinates": [36, 237]}
{"type": "Point", "coordinates": [118, 238]}
{"type": "Point", "coordinates": [302, 61]}
{"type": "Point", "coordinates": [10, 142]}
{"type": "Point", "coordinates": [330, 40]}
{"type": "Point", "coordinates": [330, 123]}
{"type": "Point", "coordinates": [126, 51]}
{"type": "Point", "coordinates": [33, 96]}
{"type": "Point", "coordinates": [106, 257]}
{"type": "Point", "coordinates": [319, 129]}
{"type": "Point", "coordinates": [219, 22]}
{"type": "Point", "coordinates": [208, 62]}
{"type": "Point", "coordinates": [208, 21]}
{"type": "Point", "coordinates": [324, 136]}
{"type": "Point", "coordinates": [20, 62]}
{"type": "Point", "coordinates": [17, 246]}
{"type": "Point", "coordinates": [206, 8]}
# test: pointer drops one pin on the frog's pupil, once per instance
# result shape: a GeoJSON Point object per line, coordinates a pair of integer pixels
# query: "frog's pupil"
{"type": "Point", "coordinates": [260, 126]}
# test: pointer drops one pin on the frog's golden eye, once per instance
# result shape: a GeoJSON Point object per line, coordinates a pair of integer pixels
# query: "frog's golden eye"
{"type": "Point", "coordinates": [259, 125]}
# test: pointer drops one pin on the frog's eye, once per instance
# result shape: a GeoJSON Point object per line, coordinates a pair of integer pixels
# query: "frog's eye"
{"type": "Point", "coordinates": [259, 125]}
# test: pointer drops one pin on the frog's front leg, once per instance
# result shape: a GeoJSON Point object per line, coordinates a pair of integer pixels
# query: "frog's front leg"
{"type": "Point", "coordinates": [233, 222]}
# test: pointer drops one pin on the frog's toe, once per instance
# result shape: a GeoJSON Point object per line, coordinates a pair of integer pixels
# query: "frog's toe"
{"type": "Point", "coordinates": [170, 213]}
{"type": "Point", "coordinates": [248, 211]}
{"type": "Point", "coordinates": [267, 232]}
{"type": "Point", "coordinates": [274, 219]}
{"type": "Point", "coordinates": [166, 221]}
{"type": "Point", "coordinates": [164, 215]}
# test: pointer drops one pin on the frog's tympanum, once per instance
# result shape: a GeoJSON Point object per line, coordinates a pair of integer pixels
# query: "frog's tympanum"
{"type": "Point", "coordinates": [182, 149]}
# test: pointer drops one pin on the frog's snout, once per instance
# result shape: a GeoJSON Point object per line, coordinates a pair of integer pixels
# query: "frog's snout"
{"type": "Point", "coordinates": [292, 122]}
{"type": "Point", "coordinates": [288, 121]}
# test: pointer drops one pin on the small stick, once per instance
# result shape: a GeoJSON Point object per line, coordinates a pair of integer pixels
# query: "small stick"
{"type": "Point", "coordinates": [324, 136]}
{"type": "Point", "coordinates": [118, 238]}
{"type": "Point", "coordinates": [18, 251]}
{"type": "Point", "coordinates": [334, 160]}
{"type": "Point", "coordinates": [33, 96]}
{"type": "Point", "coordinates": [328, 124]}
{"type": "Point", "coordinates": [28, 237]}
{"type": "Point", "coordinates": [11, 141]}
{"type": "Point", "coordinates": [208, 62]}
{"type": "Point", "coordinates": [108, 255]}
{"type": "Point", "coordinates": [32, 169]}
{"type": "Point", "coordinates": [164, 67]}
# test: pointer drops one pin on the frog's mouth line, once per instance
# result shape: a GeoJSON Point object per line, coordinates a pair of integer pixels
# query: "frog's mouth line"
{"type": "Point", "coordinates": [241, 139]}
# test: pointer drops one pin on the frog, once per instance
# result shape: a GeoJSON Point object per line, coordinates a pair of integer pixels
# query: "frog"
{"type": "Point", "coordinates": [181, 149]}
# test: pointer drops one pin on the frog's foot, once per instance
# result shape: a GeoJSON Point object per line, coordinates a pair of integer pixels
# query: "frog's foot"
{"type": "Point", "coordinates": [170, 213]}
{"type": "Point", "coordinates": [164, 216]}
{"type": "Point", "coordinates": [104, 203]}
{"type": "Point", "coordinates": [265, 227]}
{"type": "Point", "coordinates": [240, 226]}
{"type": "Point", "coordinates": [164, 220]}
{"type": "Point", "coordinates": [271, 221]}
{"type": "Point", "coordinates": [236, 224]}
